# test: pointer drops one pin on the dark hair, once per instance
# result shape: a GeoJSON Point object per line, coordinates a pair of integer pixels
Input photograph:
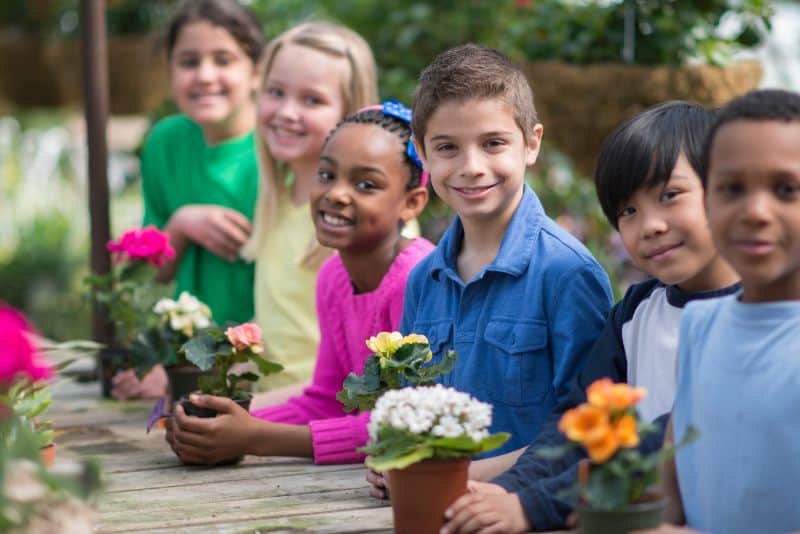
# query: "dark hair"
{"type": "Point", "coordinates": [230, 15]}
{"type": "Point", "coordinates": [472, 71]}
{"type": "Point", "coordinates": [392, 125]}
{"type": "Point", "coordinates": [759, 105]}
{"type": "Point", "coordinates": [641, 153]}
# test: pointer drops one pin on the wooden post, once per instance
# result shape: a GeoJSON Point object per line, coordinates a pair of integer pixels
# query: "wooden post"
{"type": "Point", "coordinates": [94, 55]}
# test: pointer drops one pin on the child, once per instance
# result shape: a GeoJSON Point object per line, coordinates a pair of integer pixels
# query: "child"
{"type": "Point", "coordinates": [516, 296]}
{"type": "Point", "coordinates": [313, 75]}
{"type": "Point", "coordinates": [649, 186]}
{"type": "Point", "coordinates": [199, 176]}
{"type": "Point", "coordinates": [367, 188]}
{"type": "Point", "coordinates": [738, 370]}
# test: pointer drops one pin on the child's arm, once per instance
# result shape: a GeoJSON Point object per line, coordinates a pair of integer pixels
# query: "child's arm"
{"type": "Point", "coordinates": [486, 512]}
{"type": "Point", "coordinates": [669, 483]}
{"type": "Point", "coordinates": [488, 468]}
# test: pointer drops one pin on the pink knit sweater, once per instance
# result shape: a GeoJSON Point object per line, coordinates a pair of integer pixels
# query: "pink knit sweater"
{"type": "Point", "coordinates": [346, 321]}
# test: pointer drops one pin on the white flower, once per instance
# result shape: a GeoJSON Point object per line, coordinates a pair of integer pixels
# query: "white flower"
{"type": "Point", "coordinates": [437, 410]}
{"type": "Point", "coordinates": [184, 315]}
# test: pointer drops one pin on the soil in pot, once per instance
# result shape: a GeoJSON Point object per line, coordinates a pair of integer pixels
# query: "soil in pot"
{"type": "Point", "coordinates": [422, 492]}
{"type": "Point", "coordinates": [198, 411]}
{"type": "Point", "coordinates": [184, 379]}
{"type": "Point", "coordinates": [647, 513]}
{"type": "Point", "coordinates": [110, 362]}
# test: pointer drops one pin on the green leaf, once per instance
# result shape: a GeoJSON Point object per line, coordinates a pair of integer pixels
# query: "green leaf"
{"type": "Point", "coordinates": [492, 442]}
{"type": "Point", "coordinates": [401, 461]}
{"type": "Point", "coordinates": [361, 392]}
{"type": "Point", "coordinates": [202, 351]}
{"type": "Point", "coordinates": [428, 374]}
{"type": "Point", "coordinates": [250, 377]}
{"type": "Point", "coordinates": [266, 367]}
{"type": "Point", "coordinates": [212, 385]}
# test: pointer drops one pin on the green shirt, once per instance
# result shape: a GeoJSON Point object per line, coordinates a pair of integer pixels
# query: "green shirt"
{"type": "Point", "coordinates": [178, 168]}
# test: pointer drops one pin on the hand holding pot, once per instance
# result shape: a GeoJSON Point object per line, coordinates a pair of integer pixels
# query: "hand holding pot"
{"type": "Point", "coordinates": [487, 508]}
{"type": "Point", "coordinates": [378, 484]}
{"type": "Point", "coordinates": [213, 440]}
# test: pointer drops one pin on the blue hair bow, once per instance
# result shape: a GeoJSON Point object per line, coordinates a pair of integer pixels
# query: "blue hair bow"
{"type": "Point", "coordinates": [394, 108]}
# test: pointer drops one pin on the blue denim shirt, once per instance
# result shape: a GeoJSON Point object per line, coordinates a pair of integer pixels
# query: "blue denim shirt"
{"type": "Point", "coordinates": [522, 326]}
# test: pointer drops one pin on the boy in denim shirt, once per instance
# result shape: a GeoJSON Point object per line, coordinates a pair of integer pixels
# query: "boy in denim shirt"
{"type": "Point", "coordinates": [519, 298]}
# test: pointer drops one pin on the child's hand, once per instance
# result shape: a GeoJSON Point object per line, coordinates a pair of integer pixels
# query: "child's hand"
{"type": "Point", "coordinates": [378, 484]}
{"type": "Point", "coordinates": [221, 230]}
{"type": "Point", "coordinates": [126, 385]}
{"type": "Point", "coordinates": [486, 512]}
{"type": "Point", "coordinates": [210, 441]}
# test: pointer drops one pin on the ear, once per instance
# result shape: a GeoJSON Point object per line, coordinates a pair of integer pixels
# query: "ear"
{"type": "Point", "coordinates": [413, 203]}
{"type": "Point", "coordinates": [534, 144]}
{"type": "Point", "coordinates": [418, 146]}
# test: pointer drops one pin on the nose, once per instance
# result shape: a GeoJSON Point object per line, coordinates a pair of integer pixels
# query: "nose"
{"type": "Point", "coordinates": [756, 208]}
{"type": "Point", "coordinates": [205, 70]}
{"type": "Point", "coordinates": [288, 109]}
{"type": "Point", "coordinates": [337, 192]}
{"type": "Point", "coordinates": [653, 224]}
{"type": "Point", "coordinates": [472, 163]}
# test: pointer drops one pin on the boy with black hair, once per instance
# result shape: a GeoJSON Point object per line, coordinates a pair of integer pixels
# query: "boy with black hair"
{"type": "Point", "coordinates": [648, 183]}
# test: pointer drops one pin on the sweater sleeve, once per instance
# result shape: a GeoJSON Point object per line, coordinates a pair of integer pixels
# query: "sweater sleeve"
{"type": "Point", "coordinates": [336, 440]}
{"type": "Point", "coordinates": [318, 400]}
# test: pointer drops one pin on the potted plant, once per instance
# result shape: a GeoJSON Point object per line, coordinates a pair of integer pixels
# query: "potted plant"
{"type": "Point", "coordinates": [29, 400]}
{"type": "Point", "coordinates": [614, 491]}
{"type": "Point", "coordinates": [128, 293]}
{"type": "Point", "coordinates": [396, 361]}
{"type": "Point", "coordinates": [222, 350]}
{"type": "Point", "coordinates": [424, 438]}
{"type": "Point", "coordinates": [178, 321]}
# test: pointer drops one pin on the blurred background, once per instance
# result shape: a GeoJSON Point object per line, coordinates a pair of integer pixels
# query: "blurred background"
{"type": "Point", "coordinates": [587, 75]}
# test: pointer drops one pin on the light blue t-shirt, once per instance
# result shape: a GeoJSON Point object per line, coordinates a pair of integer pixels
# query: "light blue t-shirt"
{"type": "Point", "coordinates": [739, 386]}
{"type": "Point", "coordinates": [522, 327]}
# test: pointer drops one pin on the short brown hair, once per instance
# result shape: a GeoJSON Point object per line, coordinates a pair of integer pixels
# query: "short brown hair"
{"type": "Point", "coordinates": [472, 71]}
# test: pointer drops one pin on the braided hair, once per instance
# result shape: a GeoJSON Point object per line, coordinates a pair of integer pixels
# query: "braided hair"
{"type": "Point", "coordinates": [391, 125]}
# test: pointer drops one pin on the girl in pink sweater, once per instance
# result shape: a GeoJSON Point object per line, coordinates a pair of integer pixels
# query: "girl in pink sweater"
{"type": "Point", "coordinates": [369, 184]}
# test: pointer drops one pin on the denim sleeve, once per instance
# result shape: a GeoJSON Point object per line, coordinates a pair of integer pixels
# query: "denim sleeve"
{"type": "Point", "coordinates": [577, 314]}
{"type": "Point", "coordinates": [411, 300]}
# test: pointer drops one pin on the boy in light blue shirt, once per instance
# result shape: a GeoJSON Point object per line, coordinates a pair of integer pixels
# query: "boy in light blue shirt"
{"type": "Point", "coordinates": [519, 298]}
{"type": "Point", "coordinates": [739, 356]}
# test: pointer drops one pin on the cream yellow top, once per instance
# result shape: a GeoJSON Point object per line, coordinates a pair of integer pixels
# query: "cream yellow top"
{"type": "Point", "coordinates": [284, 296]}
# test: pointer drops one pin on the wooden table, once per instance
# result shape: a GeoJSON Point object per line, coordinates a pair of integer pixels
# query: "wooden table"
{"type": "Point", "coordinates": [148, 490]}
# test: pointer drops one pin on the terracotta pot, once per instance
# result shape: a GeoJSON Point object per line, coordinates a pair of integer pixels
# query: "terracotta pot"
{"type": "Point", "coordinates": [184, 379]}
{"type": "Point", "coordinates": [649, 513]}
{"type": "Point", "coordinates": [48, 455]}
{"type": "Point", "coordinates": [110, 362]}
{"type": "Point", "coordinates": [580, 105]}
{"type": "Point", "coordinates": [422, 492]}
{"type": "Point", "coordinates": [207, 413]}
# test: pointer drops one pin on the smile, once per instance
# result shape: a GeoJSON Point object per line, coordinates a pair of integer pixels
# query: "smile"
{"type": "Point", "coordinates": [661, 253]}
{"type": "Point", "coordinates": [285, 132]}
{"type": "Point", "coordinates": [754, 247]}
{"type": "Point", "coordinates": [474, 192]}
{"type": "Point", "coordinates": [335, 220]}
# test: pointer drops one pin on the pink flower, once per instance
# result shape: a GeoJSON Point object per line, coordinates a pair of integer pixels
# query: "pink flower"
{"type": "Point", "coordinates": [18, 354]}
{"type": "Point", "coordinates": [149, 244]}
{"type": "Point", "coordinates": [244, 336]}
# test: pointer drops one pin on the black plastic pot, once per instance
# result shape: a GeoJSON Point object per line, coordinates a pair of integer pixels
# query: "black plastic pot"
{"type": "Point", "coordinates": [637, 516]}
{"type": "Point", "coordinates": [207, 413]}
{"type": "Point", "coordinates": [110, 361]}
{"type": "Point", "coordinates": [184, 379]}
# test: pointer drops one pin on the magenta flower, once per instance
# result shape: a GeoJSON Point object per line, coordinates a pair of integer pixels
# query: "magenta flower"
{"type": "Point", "coordinates": [18, 355]}
{"type": "Point", "coordinates": [149, 244]}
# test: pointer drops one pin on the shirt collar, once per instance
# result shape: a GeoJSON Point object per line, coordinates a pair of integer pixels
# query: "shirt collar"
{"type": "Point", "coordinates": [516, 250]}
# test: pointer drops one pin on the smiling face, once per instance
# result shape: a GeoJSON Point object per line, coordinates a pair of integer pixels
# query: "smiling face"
{"type": "Point", "coordinates": [300, 102]}
{"type": "Point", "coordinates": [476, 155]}
{"type": "Point", "coordinates": [664, 229]}
{"type": "Point", "coordinates": [212, 80]}
{"type": "Point", "coordinates": [360, 197]}
{"type": "Point", "coordinates": [753, 204]}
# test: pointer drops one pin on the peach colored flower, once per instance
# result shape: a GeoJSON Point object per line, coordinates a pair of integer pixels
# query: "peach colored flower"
{"type": "Point", "coordinates": [245, 336]}
{"type": "Point", "coordinates": [603, 446]}
{"type": "Point", "coordinates": [584, 423]}
{"type": "Point", "coordinates": [604, 393]}
{"type": "Point", "coordinates": [626, 431]}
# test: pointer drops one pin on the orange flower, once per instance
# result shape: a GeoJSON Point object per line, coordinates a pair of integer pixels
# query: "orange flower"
{"type": "Point", "coordinates": [603, 447]}
{"type": "Point", "coordinates": [604, 393]}
{"type": "Point", "coordinates": [626, 431]}
{"type": "Point", "coordinates": [584, 423]}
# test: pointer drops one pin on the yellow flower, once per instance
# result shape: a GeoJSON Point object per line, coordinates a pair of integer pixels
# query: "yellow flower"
{"type": "Point", "coordinates": [385, 343]}
{"type": "Point", "coordinates": [604, 393]}
{"type": "Point", "coordinates": [626, 431]}
{"type": "Point", "coordinates": [603, 446]}
{"type": "Point", "coordinates": [585, 423]}
{"type": "Point", "coordinates": [418, 338]}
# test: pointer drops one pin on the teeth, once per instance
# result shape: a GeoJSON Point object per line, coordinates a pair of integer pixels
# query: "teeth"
{"type": "Point", "coordinates": [333, 220]}
{"type": "Point", "coordinates": [471, 190]}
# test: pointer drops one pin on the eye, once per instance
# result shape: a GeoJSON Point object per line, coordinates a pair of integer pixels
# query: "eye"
{"type": "Point", "coordinates": [325, 176]}
{"type": "Point", "coordinates": [223, 60]}
{"type": "Point", "coordinates": [626, 212]}
{"type": "Point", "coordinates": [274, 92]}
{"type": "Point", "coordinates": [188, 62]}
{"type": "Point", "coordinates": [787, 190]}
{"type": "Point", "coordinates": [444, 147]}
{"type": "Point", "coordinates": [366, 185]}
{"type": "Point", "coordinates": [668, 195]}
{"type": "Point", "coordinates": [729, 189]}
{"type": "Point", "coordinates": [313, 101]}
{"type": "Point", "coordinates": [495, 144]}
